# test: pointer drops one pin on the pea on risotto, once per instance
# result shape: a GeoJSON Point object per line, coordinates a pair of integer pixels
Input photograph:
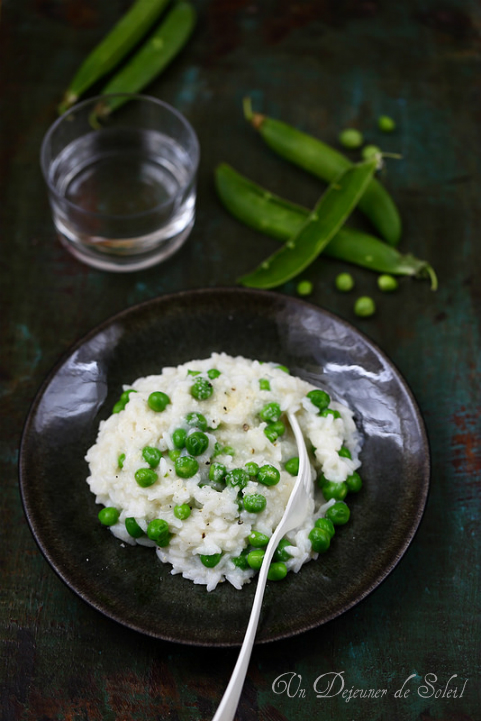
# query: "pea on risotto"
{"type": "Point", "coordinates": [199, 462]}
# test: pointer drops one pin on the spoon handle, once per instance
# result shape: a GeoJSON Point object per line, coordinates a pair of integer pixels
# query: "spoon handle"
{"type": "Point", "coordinates": [293, 516]}
{"type": "Point", "coordinates": [230, 700]}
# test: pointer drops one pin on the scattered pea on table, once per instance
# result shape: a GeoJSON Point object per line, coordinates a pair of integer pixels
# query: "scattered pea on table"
{"type": "Point", "coordinates": [344, 282]}
{"type": "Point", "coordinates": [304, 287]}
{"type": "Point", "coordinates": [386, 124]}
{"type": "Point", "coordinates": [387, 283]}
{"type": "Point", "coordinates": [364, 306]}
{"type": "Point", "coordinates": [351, 138]}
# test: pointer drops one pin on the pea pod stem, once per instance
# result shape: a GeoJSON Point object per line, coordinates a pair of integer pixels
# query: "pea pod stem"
{"type": "Point", "coordinates": [327, 217]}
{"type": "Point", "coordinates": [326, 163]}
{"type": "Point", "coordinates": [270, 214]}
{"type": "Point", "coordinates": [113, 48]}
{"type": "Point", "coordinates": [155, 54]}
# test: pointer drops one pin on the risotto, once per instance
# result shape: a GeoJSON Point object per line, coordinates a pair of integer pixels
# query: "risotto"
{"type": "Point", "coordinates": [199, 462]}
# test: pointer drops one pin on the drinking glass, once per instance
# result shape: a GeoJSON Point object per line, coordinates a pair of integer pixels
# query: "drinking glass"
{"type": "Point", "coordinates": [121, 176]}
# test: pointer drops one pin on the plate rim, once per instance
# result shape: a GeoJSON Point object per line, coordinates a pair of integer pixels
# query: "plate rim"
{"type": "Point", "coordinates": [387, 569]}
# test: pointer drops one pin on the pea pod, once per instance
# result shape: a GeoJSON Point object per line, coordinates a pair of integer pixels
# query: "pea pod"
{"type": "Point", "coordinates": [328, 216]}
{"type": "Point", "coordinates": [327, 163]}
{"type": "Point", "coordinates": [279, 218]}
{"type": "Point", "coordinates": [113, 48]}
{"type": "Point", "coordinates": [153, 56]}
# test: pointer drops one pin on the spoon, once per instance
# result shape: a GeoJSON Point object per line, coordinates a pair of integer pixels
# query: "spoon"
{"type": "Point", "coordinates": [294, 514]}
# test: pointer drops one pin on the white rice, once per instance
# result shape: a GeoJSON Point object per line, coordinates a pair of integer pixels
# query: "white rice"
{"type": "Point", "coordinates": [216, 525]}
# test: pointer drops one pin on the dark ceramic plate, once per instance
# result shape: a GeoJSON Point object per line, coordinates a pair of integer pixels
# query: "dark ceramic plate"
{"type": "Point", "coordinates": [127, 583]}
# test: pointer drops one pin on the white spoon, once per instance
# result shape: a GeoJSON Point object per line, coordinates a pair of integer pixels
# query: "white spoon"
{"type": "Point", "coordinates": [294, 515]}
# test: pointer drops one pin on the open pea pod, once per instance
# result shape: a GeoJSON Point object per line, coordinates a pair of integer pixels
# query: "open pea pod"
{"type": "Point", "coordinates": [279, 218]}
{"type": "Point", "coordinates": [327, 163]}
{"type": "Point", "coordinates": [320, 226]}
{"type": "Point", "coordinates": [113, 48]}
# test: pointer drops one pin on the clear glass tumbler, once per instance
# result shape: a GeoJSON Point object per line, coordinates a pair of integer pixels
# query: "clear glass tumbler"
{"type": "Point", "coordinates": [121, 176]}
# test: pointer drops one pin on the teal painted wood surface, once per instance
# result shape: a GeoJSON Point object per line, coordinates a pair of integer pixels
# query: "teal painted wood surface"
{"type": "Point", "coordinates": [320, 66]}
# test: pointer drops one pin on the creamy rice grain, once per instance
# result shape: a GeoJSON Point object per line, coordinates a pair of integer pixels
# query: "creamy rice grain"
{"type": "Point", "coordinates": [218, 522]}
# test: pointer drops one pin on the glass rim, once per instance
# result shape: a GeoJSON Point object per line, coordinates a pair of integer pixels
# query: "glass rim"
{"type": "Point", "coordinates": [132, 96]}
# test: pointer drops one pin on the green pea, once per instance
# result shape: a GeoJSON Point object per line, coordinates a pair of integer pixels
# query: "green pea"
{"type": "Point", "coordinates": [158, 531]}
{"type": "Point", "coordinates": [339, 513]}
{"type": "Point", "coordinates": [201, 389]}
{"type": "Point", "coordinates": [196, 420]}
{"type": "Point", "coordinates": [125, 396]}
{"type": "Point", "coordinates": [351, 138]}
{"type": "Point", "coordinates": [268, 475]}
{"type": "Point", "coordinates": [151, 456]}
{"type": "Point", "coordinates": [178, 437]}
{"type": "Point", "coordinates": [319, 398]}
{"type": "Point", "coordinates": [386, 124]}
{"type": "Point", "coordinates": [270, 413]}
{"type": "Point", "coordinates": [197, 443]}
{"type": "Point", "coordinates": [354, 482]}
{"type": "Point", "coordinates": [211, 560]}
{"type": "Point", "coordinates": [370, 151]}
{"type": "Point", "coordinates": [304, 287]}
{"type": "Point", "coordinates": [326, 525]}
{"type": "Point", "coordinates": [330, 412]}
{"type": "Point", "coordinates": [387, 283]}
{"type": "Point", "coordinates": [254, 502]}
{"type": "Point", "coordinates": [321, 480]}
{"type": "Point", "coordinates": [186, 466]}
{"type": "Point", "coordinates": [364, 306]}
{"type": "Point", "coordinates": [274, 430]}
{"type": "Point", "coordinates": [182, 511]}
{"type": "Point", "coordinates": [193, 373]}
{"type": "Point", "coordinates": [264, 384]}
{"type": "Point", "coordinates": [252, 468]}
{"type": "Point", "coordinates": [109, 516]}
{"type": "Point", "coordinates": [228, 451]}
{"type": "Point", "coordinates": [257, 539]}
{"type": "Point", "coordinates": [241, 561]}
{"type": "Point", "coordinates": [285, 369]}
{"type": "Point", "coordinates": [238, 477]}
{"type": "Point", "coordinates": [174, 453]}
{"type": "Point", "coordinates": [145, 477]}
{"type": "Point", "coordinates": [158, 401]}
{"type": "Point", "coordinates": [344, 282]}
{"type": "Point", "coordinates": [217, 472]}
{"type": "Point", "coordinates": [292, 466]}
{"type": "Point", "coordinates": [213, 373]}
{"type": "Point", "coordinates": [345, 452]}
{"type": "Point", "coordinates": [280, 554]}
{"type": "Point", "coordinates": [320, 540]}
{"type": "Point", "coordinates": [277, 571]}
{"type": "Point", "coordinates": [133, 528]}
{"type": "Point", "coordinates": [338, 491]}
{"type": "Point", "coordinates": [120, 460]}
{"type": "Point", "coordinates": [255, 558]}
{"type": "Point", "coordinates": [124, 399]}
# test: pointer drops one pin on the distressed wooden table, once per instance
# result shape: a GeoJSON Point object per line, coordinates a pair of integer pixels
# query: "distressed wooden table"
{"type": "Point", "coordinates": [321, 66]}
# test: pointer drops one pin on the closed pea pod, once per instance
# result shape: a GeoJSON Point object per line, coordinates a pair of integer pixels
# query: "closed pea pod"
{"type": "Point", "coordinates": [270, 214]}
{"type": "Point", "coordinates": [321, 225]}
{"type": "Point", "coordinates": [153, 56]}
{"type": "Point", "coordinates": [113, 48]}
{"type": "Point", "coordinates": [323, 161]}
